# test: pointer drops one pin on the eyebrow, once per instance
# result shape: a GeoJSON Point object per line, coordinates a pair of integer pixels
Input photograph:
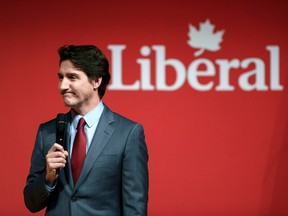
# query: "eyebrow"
{"type": "Point", "coordinates": [68, 74]}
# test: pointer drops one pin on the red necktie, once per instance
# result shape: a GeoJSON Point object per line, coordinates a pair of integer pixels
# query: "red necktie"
{"type": "Point", "coordinates": [79, 150]}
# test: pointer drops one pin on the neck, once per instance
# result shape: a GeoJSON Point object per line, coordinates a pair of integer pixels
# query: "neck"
{"type": "Point", "coordinates": [83, 110]}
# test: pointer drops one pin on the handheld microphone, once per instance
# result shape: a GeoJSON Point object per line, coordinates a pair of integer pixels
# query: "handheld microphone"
{"type": "Point", "coordinates": [61, 123]}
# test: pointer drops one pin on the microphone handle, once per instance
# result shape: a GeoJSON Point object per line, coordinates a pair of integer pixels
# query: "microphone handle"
{"type": "Point", "coordinates": [60, 132]}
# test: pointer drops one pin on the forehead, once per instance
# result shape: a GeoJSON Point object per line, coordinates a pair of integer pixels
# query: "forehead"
{"type": "Point", "coordinates": [67, 67]}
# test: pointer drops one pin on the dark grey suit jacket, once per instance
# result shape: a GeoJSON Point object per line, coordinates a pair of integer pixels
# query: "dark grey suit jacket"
{"type": "Point", "coordinates": [114, 178]}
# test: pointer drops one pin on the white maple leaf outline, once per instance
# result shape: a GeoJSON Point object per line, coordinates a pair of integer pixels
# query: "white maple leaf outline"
{"type": "Point", "coordinates": [204, 39]}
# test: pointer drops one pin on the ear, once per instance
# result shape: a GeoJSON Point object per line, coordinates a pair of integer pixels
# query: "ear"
{"type": "Point", "coordinates": [96, 83]}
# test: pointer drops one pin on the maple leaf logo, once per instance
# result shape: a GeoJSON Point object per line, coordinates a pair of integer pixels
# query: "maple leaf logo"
{"type": "Point", "coordinates": [204, 39]}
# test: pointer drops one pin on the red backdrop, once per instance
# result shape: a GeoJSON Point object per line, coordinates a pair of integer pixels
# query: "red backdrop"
{"type": "Point", "coordinates": [215, 123]}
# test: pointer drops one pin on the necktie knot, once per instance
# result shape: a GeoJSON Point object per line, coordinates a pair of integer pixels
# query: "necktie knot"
{"type": "Point", "coordinates": [81, 123]}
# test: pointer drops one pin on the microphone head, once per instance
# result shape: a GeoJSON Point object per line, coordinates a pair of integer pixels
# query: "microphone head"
{"type": "Point", "coordinates": [61, 121]}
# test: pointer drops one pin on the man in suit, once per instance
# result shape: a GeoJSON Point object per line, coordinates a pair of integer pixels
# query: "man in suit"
{"type": "Point", "coordinates": [113, 180]}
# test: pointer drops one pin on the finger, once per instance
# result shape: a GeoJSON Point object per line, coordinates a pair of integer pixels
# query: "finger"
{"type": "Point", "coordinates": [55, 147]}
{"type": "Point", "coordinates": [66, 154]}
{"type": "Point", "coordinates": [55, 166]}
{"type": "Point", "coordinates": [51, 161]}
{"type": "Point", "coordinates": [56, 154]}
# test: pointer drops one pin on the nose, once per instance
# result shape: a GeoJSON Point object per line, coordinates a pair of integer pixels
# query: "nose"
{"type": "Point", "coordinates": [63, 85]}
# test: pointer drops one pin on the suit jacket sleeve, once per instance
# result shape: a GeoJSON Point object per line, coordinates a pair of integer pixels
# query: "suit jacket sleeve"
{"type": "Point", "coordinates": [135, 174]}
{"type": "Point", "coordinates": [35, 193]}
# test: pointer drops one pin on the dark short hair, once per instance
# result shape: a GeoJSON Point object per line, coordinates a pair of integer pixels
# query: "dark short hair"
{"type": "Point", "coordinates": [90, 60]}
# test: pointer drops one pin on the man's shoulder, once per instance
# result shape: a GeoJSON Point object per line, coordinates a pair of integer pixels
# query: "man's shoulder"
{"type": "Point", "coordinates": [49, 123]}
{"type": "Point", "coordinates": [117, 117]}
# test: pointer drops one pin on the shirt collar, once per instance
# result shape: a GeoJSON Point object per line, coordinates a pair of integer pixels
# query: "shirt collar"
{"type": "Point", "coordinates": [91, 117]}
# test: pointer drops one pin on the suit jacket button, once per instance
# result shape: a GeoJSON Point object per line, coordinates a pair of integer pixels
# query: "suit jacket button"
{"type": "Point", "coordinates": [73, 199]}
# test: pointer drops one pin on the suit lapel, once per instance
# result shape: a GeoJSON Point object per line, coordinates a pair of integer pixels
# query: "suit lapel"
{"type": "Point", "coordinates": [102, 135]}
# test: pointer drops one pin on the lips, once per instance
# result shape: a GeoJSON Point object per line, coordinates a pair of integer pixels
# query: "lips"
{"type": "Point", "coordinates": [68, 94]}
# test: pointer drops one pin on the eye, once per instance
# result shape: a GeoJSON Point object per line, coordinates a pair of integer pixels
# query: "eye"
{"type": "Point", "coordinates": [72, 77]}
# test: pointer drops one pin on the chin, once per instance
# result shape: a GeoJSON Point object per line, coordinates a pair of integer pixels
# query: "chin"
{"type": "Point", "coordinates": [70, 104]}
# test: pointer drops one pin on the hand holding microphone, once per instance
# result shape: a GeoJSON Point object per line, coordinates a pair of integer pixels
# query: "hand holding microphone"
{"type": "Point", "coordinates": [61, 125]}
{"type": "Point", "coordinates": [56, 156]}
